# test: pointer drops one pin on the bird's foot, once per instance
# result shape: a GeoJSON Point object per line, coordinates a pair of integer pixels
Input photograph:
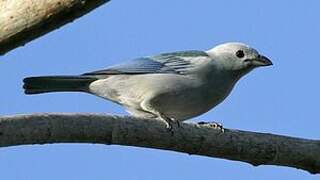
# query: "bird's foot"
{"type": "Point", "coordinates": [213, 125]}
{"type": "Point", "coordinates": [170, 123]}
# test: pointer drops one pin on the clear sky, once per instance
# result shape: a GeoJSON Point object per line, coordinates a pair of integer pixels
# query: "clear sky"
{"type": "Point", "coordinates": [282, 99]}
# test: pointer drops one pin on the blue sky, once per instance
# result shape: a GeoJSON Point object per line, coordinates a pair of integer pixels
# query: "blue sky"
{"type": "Point", "coordinates": [282, 99]}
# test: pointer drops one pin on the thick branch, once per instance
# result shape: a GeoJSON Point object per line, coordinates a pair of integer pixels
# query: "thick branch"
{"type": "Point", "coordinates": [24, 20]}
{"type": "Point", "coordinates": [250, 147]}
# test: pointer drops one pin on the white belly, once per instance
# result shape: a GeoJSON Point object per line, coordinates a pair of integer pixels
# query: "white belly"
{"type": "Point", "coordinates": [176, 96]}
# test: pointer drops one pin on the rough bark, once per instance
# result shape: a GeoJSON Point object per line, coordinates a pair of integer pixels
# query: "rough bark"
{"type": "Point", "coordinates": [254, 148]}
{"type": "Point", "coordinates": [24, 20]}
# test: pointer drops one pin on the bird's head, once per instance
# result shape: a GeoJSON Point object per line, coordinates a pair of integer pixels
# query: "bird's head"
{"type": "Point", "coordinates": [237, 57]}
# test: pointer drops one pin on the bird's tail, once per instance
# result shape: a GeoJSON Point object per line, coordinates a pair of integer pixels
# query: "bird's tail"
{"type": "Point", "coordinates": [45, 84]}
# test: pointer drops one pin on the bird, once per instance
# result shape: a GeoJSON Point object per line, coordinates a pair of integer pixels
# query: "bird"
{"type": "Point", "coordinates": [172, 87]}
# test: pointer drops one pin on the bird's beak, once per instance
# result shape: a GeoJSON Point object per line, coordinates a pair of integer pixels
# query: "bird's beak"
{"type": "Point", "coordinates": [262, 61]}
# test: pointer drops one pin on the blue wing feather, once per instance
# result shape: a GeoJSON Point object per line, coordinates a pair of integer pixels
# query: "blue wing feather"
{"type": "Point", "coordinates": [176, 62]}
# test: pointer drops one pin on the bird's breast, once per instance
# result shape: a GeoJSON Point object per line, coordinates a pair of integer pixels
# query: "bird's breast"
{"type": "Point", "coordinates": [191, 101]}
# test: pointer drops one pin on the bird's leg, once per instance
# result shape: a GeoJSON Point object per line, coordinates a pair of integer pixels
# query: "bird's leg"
{"type": "Point", "coordinates": [146, 106]}
{"type": "Point", "coordinates": [168, 121]}
{"type": "Point", "coordinates": [214, 125]}
{"type": "Point", "coordinates": [178, 123]}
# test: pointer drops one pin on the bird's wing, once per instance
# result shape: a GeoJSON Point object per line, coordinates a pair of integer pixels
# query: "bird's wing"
{"type": "Point", "coordinates": [176, 62]}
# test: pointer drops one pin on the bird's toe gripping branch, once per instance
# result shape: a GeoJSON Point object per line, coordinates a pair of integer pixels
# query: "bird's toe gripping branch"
{"type": "Point", "coordinates": [213, 125]}
{"type": "Point", "coordinates": [169, 122]}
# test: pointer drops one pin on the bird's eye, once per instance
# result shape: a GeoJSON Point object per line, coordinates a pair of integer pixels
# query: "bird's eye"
{"type": "Point", "coordinates": [240, 54]}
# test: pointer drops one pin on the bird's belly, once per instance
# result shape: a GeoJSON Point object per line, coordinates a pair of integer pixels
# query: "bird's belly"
{"type": "Point", "coordinates": [189, 103]}
{"type": "Point", "coordinates": [175, 96]}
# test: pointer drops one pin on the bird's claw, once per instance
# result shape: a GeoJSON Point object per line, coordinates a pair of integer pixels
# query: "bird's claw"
{"type": "Point", "coordinates": [169, 123]}
{"type": "Point", "coordinates": [213, 125]}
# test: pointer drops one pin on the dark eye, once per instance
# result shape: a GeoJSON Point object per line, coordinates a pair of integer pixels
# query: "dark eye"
{"type": "Point", "coordinates": [240, 54]}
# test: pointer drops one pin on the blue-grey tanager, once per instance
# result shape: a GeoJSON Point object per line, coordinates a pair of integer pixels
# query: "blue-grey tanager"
{"type": "Point", "coordinates": [170, 86]}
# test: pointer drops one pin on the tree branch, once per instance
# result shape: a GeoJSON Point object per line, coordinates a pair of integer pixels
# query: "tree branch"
{"type": "Point", "coordinates": [254, 148]}
{"type": "Point", "coordinates": [22, 21]}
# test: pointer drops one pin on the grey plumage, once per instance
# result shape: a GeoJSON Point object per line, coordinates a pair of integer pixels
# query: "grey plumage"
{"type": "Point", "coordinates": [170, 86]}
